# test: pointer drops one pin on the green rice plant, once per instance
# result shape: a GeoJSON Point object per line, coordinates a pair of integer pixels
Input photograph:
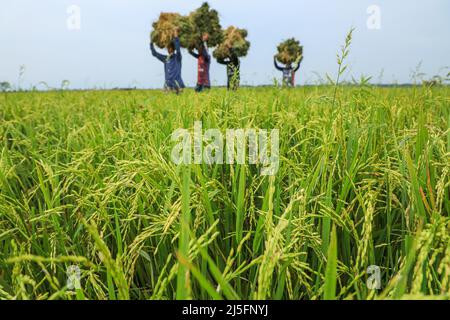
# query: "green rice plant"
{"type": "Point", "coordinates": [331, 270]}
{"type": "Point", "coordinates": [86, 179]}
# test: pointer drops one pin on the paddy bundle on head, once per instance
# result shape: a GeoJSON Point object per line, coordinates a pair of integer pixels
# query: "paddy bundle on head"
{"type": "Point", "coordinates": [289, 51]}
{"type": "Point", "coordinates": [205, 21]}
{"type": "Point", "coordinates": [234, 42]}
{"type": "Point", "coordinates": [191, 28]}
{"type": "Point", "coordinates": [165, 28]}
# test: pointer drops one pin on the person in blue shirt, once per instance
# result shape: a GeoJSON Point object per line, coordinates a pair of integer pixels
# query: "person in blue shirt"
{"type": "Point", "coordinates": [172, 65]}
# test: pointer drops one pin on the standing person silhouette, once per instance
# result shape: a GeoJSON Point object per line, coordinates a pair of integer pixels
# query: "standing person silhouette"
{"type": "Point", "coordinates": [204, 63]}
{"type": "Point", "coordinates": [233, 71]}
{"type": "Point", "coordinates": [172, 65]}
{"type": "Point", "coordinates": [288, 71]}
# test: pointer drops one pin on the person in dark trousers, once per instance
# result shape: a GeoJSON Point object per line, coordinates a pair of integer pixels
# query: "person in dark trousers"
{"type": "Point", "coordinates": [233, 71]}
{"type": "Point", "coordinates": [288, 72]}
{"type": "Point", "coordinates": [204, 62]}
{"type": "Point", "coordinates": [172, 66]}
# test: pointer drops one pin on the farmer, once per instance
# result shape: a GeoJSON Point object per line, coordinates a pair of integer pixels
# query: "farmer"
{"type": "Point", "coordinates": [233, 71]}
{"type": "Point", "coordinates": [204, 62]}
{"type": "Point", "coordinates": [172, 65]}
{"type": "Point", "coordinates": [289, 71]}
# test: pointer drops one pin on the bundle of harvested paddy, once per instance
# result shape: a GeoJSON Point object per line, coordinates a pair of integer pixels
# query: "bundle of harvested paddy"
{"type": "Point", "coordinates": [190, 28]}
{"type": "Point", "coordinates": [165, 28]}
{"type": "Point", "coordinates": [205, 21]}
{"type": "Point", "coordinates": [289, 51]}
{"type": "Point", "coordinates": [234, 42]}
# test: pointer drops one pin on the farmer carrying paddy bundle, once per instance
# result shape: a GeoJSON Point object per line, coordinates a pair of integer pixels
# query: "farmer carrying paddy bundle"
{"type": "Point", "coordinates": [289, 71]}
{"type": "Point", "coordinates": [290, 53]}
{"type": "Point", "coordinates": [199, 30]}
{"type": "Point", "coordinates": [233, 71]}
{"type": "Point", "coordinates": [207, 33]}
{"type": "Point", "coordinates": [204, 62]}
{"type": "Point", "coordinates": [233, 46]}
{"type": "Point", "coordinates": [172, 65]}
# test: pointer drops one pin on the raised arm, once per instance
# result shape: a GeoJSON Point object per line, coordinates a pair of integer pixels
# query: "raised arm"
{"type": "Point", "coordinates": [276, 64]}
{"type": "Point", "coordinates": [176, 42]}
{"type": "Point", "coordinates": [156, 54]}
{"type": "Point", "coordinates": [298, 64]}
{"type": "Point", "coordinates": [223, 61]}
{"type": "Point", "coordinates": [235, 60]}
{"type": "Point", "coordinates": [192, 53]}
{"type": "Point", "coordinates": [206, 54]}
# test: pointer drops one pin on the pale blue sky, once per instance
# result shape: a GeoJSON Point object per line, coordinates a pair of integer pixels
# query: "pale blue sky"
{"type": "Point", "coordinates": [111, 49]}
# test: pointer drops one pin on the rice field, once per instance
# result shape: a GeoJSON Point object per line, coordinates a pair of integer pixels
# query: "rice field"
{"type": "Point", "coordinates": [87, 182]}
